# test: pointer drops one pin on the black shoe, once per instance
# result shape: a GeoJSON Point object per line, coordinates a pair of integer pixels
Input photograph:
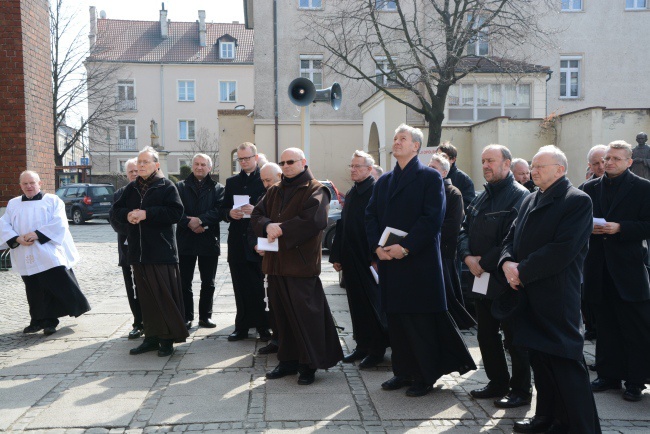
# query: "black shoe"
{"type": "Point", "coordinates": [238, 335]}
{"type": "Point", "coordinates": [207, 323]}
{"type": "Point", "coordinates": [489, 391]}
{"type": "Point", "coordinates": [370, 361]}
{"type": "Point", "coordinates": [265, 335]}
{"type": "Point", "coordinates": [166, 348]}
{"type": "Point", "coordinates": [602, 384]}
{"type": "Point", "coordinates": [188, 325]}
{"type": "Point", "coordinates": [590, 335]}
{"type": "Point", "coordinates": [269, 349]}
{"type": "Point", "coordinates": [307, 376]}
{"type": "Point", "coordinates": [419, 389]}
{"type": "Point", "coordinates": [632, 393]}
{"type": "Point", "coordinates": [135, 333]}
{"type": "Point", "coordinates": [513, 400]}
{"type": "Point", "coordinates": [32, 328]}
{"type": "Point", "coordinates": [357, 354]}
{"type": "Point", "coordinates": [282, 370]}
{"type": "Point", "coordinates": [149, 344]}
{"type": "Point", "coordinates": [537, 424]}
{"type": "Point", "coordinates": [557, 429]}
{"type": "Point", "coordinates": [396, 383]}
{"type": "Point", "coordinates": [49, 330]}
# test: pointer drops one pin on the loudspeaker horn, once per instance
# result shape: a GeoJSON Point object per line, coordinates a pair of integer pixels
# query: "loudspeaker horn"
{"type": "Point", "coordinates": [332, 94]}
{"type": "Point", "coordinates": [302, 91]}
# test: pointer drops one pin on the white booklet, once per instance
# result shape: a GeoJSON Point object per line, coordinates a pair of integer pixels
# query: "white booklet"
{"type": "Point", "coordinates": [391, 236]}
{"type": "Point", "coordinates": [599, 221]}
{"type": "Point", "coordinates": [481, 283]}
{"type": "Point", "coordinates": [264, 245]}
{"type": "Point", "coordinates": [240, 200]}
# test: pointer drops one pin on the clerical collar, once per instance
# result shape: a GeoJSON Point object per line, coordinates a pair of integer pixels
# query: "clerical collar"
{"type": "Point", "coordinates": [557, 181]}
{"type": "Point", "coordinates": [38, 196]}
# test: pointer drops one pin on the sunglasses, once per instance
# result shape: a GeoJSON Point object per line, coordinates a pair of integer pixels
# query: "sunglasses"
{"type": "Point", "coordinates": [288, 162]}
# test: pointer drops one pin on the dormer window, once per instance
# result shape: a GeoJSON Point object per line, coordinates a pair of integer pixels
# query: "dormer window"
{"type": "Point", "coordinates": [227, 50]}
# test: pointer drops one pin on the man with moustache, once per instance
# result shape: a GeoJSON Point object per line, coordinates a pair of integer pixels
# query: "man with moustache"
{"type": "Point", "coordinates": [425, 341]}
{"type": "Point", "coordinates": [131, 168]}
{"type": "Point", "coordinates": [616, 275]}
{"type": "Point", "coordinates": [350, 253]}
{"type": "Point", "coordinates": [293, 213]}
{"type": "Point", "coordinates": [486, 224]}
{"type": "Point", "coordinates": [542, 260]}
{"type": "Point", "coordinates": [521, 171]}
{"type": "Point", "coordinates": [245, 265]}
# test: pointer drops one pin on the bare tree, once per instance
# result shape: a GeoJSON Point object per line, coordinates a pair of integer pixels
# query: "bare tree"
{"type": "Point", "coordinates": [205, 143]}
{"type": "Point", "coordinates": [74, 81]}
{"type": "Point", "coordinates": [426, 46]}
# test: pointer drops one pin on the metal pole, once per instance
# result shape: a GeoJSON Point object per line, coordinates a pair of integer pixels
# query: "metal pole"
{"type": "Point", "coordinates": [306, 145]}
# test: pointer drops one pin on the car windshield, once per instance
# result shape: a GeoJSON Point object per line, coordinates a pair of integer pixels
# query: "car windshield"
{"type": "Point", "coordinates": [103, 190]}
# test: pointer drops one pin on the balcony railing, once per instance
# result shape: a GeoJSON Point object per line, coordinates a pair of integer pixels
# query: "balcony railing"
{"type": "Point", "coordinates": [126, 104]}
{"type": "Point", "coordinates": [127, 144]}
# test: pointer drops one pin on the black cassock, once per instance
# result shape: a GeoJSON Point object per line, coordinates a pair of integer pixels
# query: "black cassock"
{"type": "Point", "coordinates": [350, 249]}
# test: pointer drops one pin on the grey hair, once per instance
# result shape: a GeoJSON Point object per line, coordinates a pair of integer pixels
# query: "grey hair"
{"type": "Point", "coordinates": [621, 144]}
{"type": "Point", "coordinates": [379, 169]}
{"type": "Point", "coordinates": [205, 157]}
{"type": "Point", "coordinates": [505, 152]}
{"type": "Point", "coordinates": [34, 174]}
{"type": "Point", "coordinates": [275, 167]}
{"type": "Point", "coordinates": [443, 160]}
{"type": "Point", "coordinates": [298, 151]}
{"type": "Point", "coordinates": [261, 159]}
{"type": "Point", "coordinates": [516, 161]}
{"type": "Point", "coordinates": [558, 155]}
{"type": "Point", "coordinates": [416, 133]}
{"type": "Point", "coordinates": [150, 150]}
{"type": "Point", "coordinates": [594, 149]}
{"type": "Point", "coordinates": [369, 160]}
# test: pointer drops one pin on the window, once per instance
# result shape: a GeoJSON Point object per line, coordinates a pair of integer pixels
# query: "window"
{"type": "Point", "coordinates": [310, 4]}
{"type": "Point", "coordinates": [385, 5]}
{"type": "Point", "coordinates": [636, 4]}
{"type": "Point", "coordinates": [122, 165]}
{"type": "Point", "coordinates": [126, 138]}
{"type": "Point", "coordinates": [383, 72]}
{"type": "Point", "coordinates": [478, 44]}
{"type": "Point", "coordinates": [184, 162]}
{"type": "Point", "coordinates": [311, 67]}
{"type": "Point", "coordinates": [227, 50]}
{"type": "Point", "coordinates": [126, 95]}
{"type": "Point", "coordinates": [227, 91]}
{"type": "Point", "coordinates": [479, 102]}
{"type": "Point", "coordinates": [186, 90]}
{"type": "Point", "coordinates": [571, 5]}
{"type": "Point", "coordinates": [185, 130]}
{"type": "Point", "coordinates": [570, 76]}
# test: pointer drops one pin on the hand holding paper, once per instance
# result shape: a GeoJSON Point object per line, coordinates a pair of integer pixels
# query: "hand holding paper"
{"type": "Point", "coordinates": [264, 245]}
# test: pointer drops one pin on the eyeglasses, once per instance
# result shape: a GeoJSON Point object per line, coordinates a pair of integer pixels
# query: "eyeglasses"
{"type": "Point", "coordinates": [241, 160]}
{"type": "Point", "coordinates": [288, 162]}
{"type": "Point", "coordinates": [357, 166]}
{"type": "Point", "coordinates": [615, 159]}
{"type": "Point", "coordinates": [541, 166]}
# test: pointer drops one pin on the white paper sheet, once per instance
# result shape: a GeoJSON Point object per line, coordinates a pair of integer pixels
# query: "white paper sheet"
{"type": "Point", "coordinates": [264, 245]}
{"type": "Point", "coordinates": [598, 221]}
{"type": "Point", "coordinates": [240, 200]}
{"type": "Point", "coordinates": [374, 274]}
{"type": "Point", "coordinates": [481, 283]}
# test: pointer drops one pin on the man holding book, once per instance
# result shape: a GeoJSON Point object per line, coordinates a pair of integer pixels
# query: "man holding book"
{"type": "Point", "coordinates": [411, 199]}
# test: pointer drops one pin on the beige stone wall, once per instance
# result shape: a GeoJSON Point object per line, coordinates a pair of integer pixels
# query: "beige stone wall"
{"type": "Point", "coordinates": [235, 127]}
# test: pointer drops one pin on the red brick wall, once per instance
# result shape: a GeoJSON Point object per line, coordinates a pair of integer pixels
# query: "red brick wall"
{"type": "Point", "coordinates": [26, 136]}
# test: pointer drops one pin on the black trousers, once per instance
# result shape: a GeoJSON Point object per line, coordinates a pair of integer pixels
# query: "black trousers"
{"type": "Point", "coordinates": [248, 286]}
{"type": "Point", "coordinates": [131, 295]}
{"type": "Point", "coordinates": [493, 354]}
{"type": "Point", "coordinates": [623, 344]}
{"type": "Point", "coordinates": [207, 271]}
{"type": "Point", "coordinates": [564, 392]}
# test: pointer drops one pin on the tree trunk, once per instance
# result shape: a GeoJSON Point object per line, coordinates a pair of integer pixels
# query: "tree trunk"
{"type": "Point", "coordinates": [435, 129]}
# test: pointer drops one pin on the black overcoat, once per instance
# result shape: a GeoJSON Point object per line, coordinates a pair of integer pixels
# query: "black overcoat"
{"type": "Point", "coordinates": [549, 240]}
{"type": "Point", "coordinates": [416, 205]}
{"type": "Point", "coordinates": [121, 229]}
{"type": "Point", "coordinates": [239, 249]}
{"type": "Point", "coordinates": [623, 254]}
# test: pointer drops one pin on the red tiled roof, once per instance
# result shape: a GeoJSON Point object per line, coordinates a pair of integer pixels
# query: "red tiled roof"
{"type": "Point", "coordinates": [140, 41]}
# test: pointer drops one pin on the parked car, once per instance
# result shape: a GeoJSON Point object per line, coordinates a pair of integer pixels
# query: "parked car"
{"type": "Point", "coordinates": [337, 198]}
{"type": "Point", "coordinates": [86, 201]}
{"type": "Point", "coordinates": [328, 234]}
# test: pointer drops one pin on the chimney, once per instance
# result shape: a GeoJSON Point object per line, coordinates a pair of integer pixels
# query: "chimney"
{"type": "Point", "coordinates": [92, 33]}
{"type": "Point", "coordinates": [202, 28]}
{"type": "Point", "coordinates": [164, 25]}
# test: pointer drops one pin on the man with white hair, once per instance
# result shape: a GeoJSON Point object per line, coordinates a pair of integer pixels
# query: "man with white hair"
{"type": "Point", "coordinates": [35, 228]}
{"type": "Point", "coordinates": [542, 260]}
{"type": "Point", "coordinates": [293, 214]}
{"type": "Point", "coordinates": [521, 171]}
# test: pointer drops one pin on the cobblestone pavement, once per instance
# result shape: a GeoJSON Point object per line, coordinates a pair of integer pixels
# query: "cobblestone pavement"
{"type": "Point", "coordinates": [82, 379]}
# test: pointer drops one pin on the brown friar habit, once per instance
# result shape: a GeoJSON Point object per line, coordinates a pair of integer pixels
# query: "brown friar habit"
{"type": "Point", "coordinates": [300, 309]}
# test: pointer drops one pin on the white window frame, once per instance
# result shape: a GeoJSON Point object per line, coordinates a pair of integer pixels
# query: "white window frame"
{"type": "Point", "coordinates": [567, 72]}
{"type": "Point", "coordinates": [482, 39]}
{"type": "Point", "coordinates": [571, 5]}
{"type": "Point", "coordinates": [310, 4]}
{"type": "Point", "coordinates": [386, 5]}
{"type": "Point", "coordinates": [183, 84]}
{"type": "Point", "coordinates": [225, 52]}
{"type": "Point", "coordinates": [382, 66]}
{"type": "Point", "coordinates": [226, 97]}
{"type": "Point", "coordinates": [311, 69]}
{"type": "Point", "coordinates": [501, 106]}
{"type": "Point", "coordinates": [126, 123]}
{"type": "Point", "coordinates": [637, 5]}
{"type": "Point", "coordinates": [181, 129]}
{"type": "Point", "coordinates": [121, 163]}
{"type": "Point", "coordinates": [126, 84]}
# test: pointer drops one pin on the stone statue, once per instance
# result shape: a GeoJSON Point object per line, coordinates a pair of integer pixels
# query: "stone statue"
{"type": "Point", "coordinates": [641, 157]}
{"type": "Point", "coordinates": [154, 136]}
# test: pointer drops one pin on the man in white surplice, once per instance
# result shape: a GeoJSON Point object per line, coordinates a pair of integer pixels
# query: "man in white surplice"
{"type": "Point", "coordinates": [35, 228]}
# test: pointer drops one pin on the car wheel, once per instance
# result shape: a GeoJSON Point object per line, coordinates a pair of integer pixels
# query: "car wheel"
{"type": "Point", "coordinates": [77, 218]}
{"type": "Point", "coordinates": [329, 238]}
